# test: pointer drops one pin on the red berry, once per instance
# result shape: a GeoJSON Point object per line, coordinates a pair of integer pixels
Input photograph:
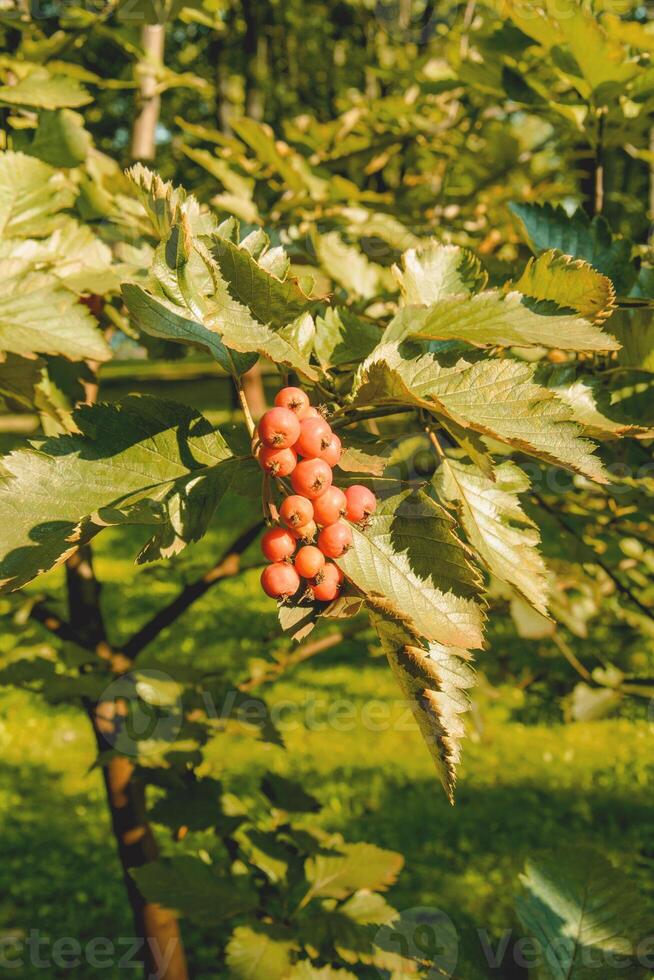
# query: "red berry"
{"type": "Point", "coordinates": [335, 539]}
{"type": "Point", "coordinates": [331, 579]}
{"type": "Point", "coordinates": [307, 532]}
{"type": "Point", "coordinates": [308, 561]}
{"type": "Point", "coordinates": [315, 436]}
{"type": "Point", "coordinates": [295, 399]}
{"type": "Point", "coordinates": [278, 462]}
{"type": "Point", "coordinates": [311, 477]}
{"type": "Point", "coordinates": [296, 511]}
{"type": "Point", "coordinates": [329, 506]}
{"type": "Point", "coordinates": [332, 453]}
{"type": "Point", "coordinates": [312, 413]}
{"type": "Point", "coordinates": [361, 502]}
{"type": "Point", "coordinates": [277, 544]}
{"type": "Point", "coordinates": [280, 580]}
{"type": "Point", "coordinates": [280, 428]}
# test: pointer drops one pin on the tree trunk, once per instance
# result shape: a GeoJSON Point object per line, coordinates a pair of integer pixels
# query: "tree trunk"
{"type": "Point", "coordinates": [144, 133]}
{"type": "Point", "coordinates": [254, 47]}
{"type": "Point", "coordinates": [162, 950]}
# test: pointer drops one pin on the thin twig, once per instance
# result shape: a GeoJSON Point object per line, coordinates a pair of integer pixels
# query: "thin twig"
{"type": "Point", "coordinates": [571, 657]}
{"type": "Point", "coordinates": [249, 421]}
{"type": "Point", "coordinates": [620, 586]}
{"type": "Point", "coordinates": [300, 654]}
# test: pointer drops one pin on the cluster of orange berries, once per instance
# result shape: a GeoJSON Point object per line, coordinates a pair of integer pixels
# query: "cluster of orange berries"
{"type": "Point", "coordinates": [291, 430]}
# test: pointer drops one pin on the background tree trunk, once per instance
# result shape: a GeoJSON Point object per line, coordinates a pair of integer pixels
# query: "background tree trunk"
{"type": "Point", "coordinates": [163, 950]}
{"type": "Point", "coordinates": [144, 133]}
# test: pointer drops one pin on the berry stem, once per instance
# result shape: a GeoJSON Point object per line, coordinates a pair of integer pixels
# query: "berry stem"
{"type": "Point", "coordinates": [249, 421]}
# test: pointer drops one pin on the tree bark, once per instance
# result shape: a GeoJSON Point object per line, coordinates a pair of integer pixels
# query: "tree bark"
{"type": "Point", "coordinates": [162, 950]}
{"type": "Point", "coordinates": [254, 48]}
{"type": "Point", "coordinates": [144, 133]}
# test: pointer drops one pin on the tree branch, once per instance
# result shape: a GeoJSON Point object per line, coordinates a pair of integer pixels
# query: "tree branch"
{"type": "Point", "coordinates": [228, 565]}
{"type": "Point", "coordinates": [53, 622]}
{"type": "Point", "coordinates": [595, 560]}
{"type": "Point", "coordinates": [300, 654]}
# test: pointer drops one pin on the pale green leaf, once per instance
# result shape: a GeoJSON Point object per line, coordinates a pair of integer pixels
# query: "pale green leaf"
{"type": "Point", "coordinates": [254, 952]}
{"type": "Point", "coordinates": [493, 318]}
{"type": "Point", "coordinates": [41, 90]}
{"type": "Point", "coordinates": [409, 563]}
{"type": "Point", "coordinates": [504, 538]}
{"type": "Point", "coordinates": [433, 271]}
{"type": "Point", "coordinates": [494, 397]}
{"type": "Point", "coordinates": [434, 679]}
{"type": "Point", "coordinates": [61, 139]}
{"type": "Point", "coordinates": [38, 315]}
{"type": "Point", "coordinates": [31, 195]}
{"type": "Point", "coordinates": [354, 866]}
{"type": "Point", "coordinates": [344, 338]}
{"type": "Point", "coordinates": [348, 266]}
{"type": "Point", "coordinates": [584, 914]}
{"type": "Point", "coordinates": [72, 253]}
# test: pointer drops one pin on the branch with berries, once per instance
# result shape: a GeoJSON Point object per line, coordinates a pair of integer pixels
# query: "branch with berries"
{"type": "Point", "coordinates": [312, 525]}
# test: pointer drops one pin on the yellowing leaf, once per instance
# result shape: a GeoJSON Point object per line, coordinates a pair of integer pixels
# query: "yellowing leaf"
{"type": "Point", "coordinates": [571, 284]}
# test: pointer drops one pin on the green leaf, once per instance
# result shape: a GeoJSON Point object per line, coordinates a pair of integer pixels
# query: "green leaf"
{"type": "Point", "coordinates": [304, 970]}
{"type": "Point", "coordinates": [189, 301]}
{"type": "Point", "coordinates": [516, 318]}
{"type": "Point", "coordinates": [190, 505]}
{"type": "Point", "coordinates": [117, 470]}
{"type": "Point", "coordinates": [41, 90]}
{"type": "Point", "coordinates": [254, 952]}
{"type": "Point", "coordinates": [38, 315]}
{"type": "Point", "coordinates": [72, 253]}
{"type": "Point", "coordinates": [61, 139]}
{"type": "Point", "coordinates": [261, 139]}
{"type": "Point", "coordinates": [635, 331]}
{"type": "Point", "coordinates": [351, 867]}
{"type": "Point", "coordinates": [581, 237]}
{"type": "Point", "coordinates": [271, 298]}
{"type": "Point", "coordinates": [584, 395]}
{"type": "Point", "coordinates": [502, 535]}
{"type": "Point", "coordinates": [409, 563]}
{"type": "Point", "coordinates": [189, 802]}
{"type": "Point", "coordinates": [348, 266]}
{"type": "Point", "coordinates": [286, 794]}
{"type": "Point", "coordinates": [192, 888]}
{"type": "Point", "coordinates": [343, 338]}
{"type": "Point", "coordinates": [570, 283]}
{"type": "Point", "coordinates": [164, 204]}
{"type": "Point", "coordinates": [495, 397]}
{"type": "Point", "coordinates": [434, 678]}
{"type": "Point", "coordinates": [19, 377]}
{"type": "Point", "coordinates": [31, 195]}
{"type": "Point", "coordinates": [585, 914]}
{"type": "Point", "coordinates": [433, 271]}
